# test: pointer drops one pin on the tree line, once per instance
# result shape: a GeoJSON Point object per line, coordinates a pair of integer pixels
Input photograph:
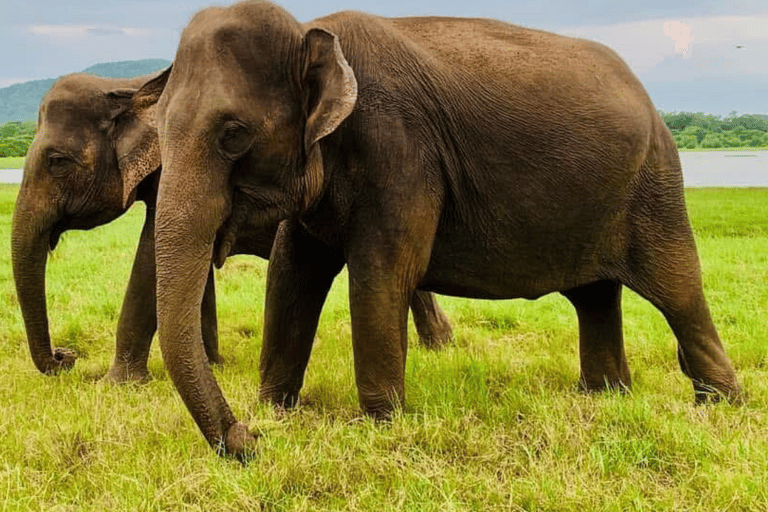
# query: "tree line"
{"type": "Point", "coordinates": [707, 131]}
{"type": "Point", "coordinates": [691, 130]}
{"type": "Point", "coordinates": [15, 138]}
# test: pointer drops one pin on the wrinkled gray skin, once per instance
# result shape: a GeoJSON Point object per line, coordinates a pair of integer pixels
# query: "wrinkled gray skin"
{"type": "Point", "coordinates": [468, 157]}
{"type": "Point", "coordinates": [95, 153]}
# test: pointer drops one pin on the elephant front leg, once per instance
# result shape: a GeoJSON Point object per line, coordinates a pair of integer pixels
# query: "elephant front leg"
{"type": "Point", "coordinates": [301, 271]}
{"type": "Point", "coordinates": [138, 317]}
{"type": "Point", "coordinates": [379, 310]}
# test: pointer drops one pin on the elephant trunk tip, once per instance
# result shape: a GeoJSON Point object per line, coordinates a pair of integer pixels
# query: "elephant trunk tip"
{"type": "Point", "coordinates": [239, 442]}
{"type": "Point", "coordinates": [61, 359]}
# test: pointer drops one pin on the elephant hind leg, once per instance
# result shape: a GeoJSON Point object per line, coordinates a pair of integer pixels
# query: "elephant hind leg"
{"type": "Point", "coordinates": [601, 341]}
{"type": "Point", "coordinates": [665, 271]}
{"type": "Point", "coordinates": [432, 324]}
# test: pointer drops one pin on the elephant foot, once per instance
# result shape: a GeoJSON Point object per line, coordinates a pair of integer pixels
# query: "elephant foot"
{"type": "Point", "coordinates": [623, 386]}
{"type": "Point", "coordinates": [239, 443]}
{"type": "Point", "coordinates": [435, 334]}
{"type": "Point", "coordinates": [436, 341]}
{"type": "Point", "coordinates": [278, 396]}
{"type": "Point", "coordinates": [381, 405]}
{"type": "Point", "coordinates": [431, 322]}
{"type": "Point", "coordinates": [62, 359]}
{"type": "Point", "coordinates": [121, 374]}
{"type": "Point", "coordinates": [712, 394]}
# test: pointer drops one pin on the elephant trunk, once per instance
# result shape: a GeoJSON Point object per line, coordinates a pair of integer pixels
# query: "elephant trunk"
{"type": "Point", "coordinates": [30, 241]}
{"type": "Point", "coordinates": [186, 225]}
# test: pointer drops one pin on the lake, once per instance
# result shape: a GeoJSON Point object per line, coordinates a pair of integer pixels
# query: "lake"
{"type": "Point", "coordinates": [700, 169]}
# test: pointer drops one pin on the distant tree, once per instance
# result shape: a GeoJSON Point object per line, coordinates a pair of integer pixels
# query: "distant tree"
{"type": "Point", "coordinates": [15, 138]}
{"type": "Point", "coordinates": [712, 141]}
{"type": "Point", "coordinates": [686, 141]}
{"type": "Point", "coordinates": [711, 131]}
{"type": "Point", "coordinates": [698, 132]}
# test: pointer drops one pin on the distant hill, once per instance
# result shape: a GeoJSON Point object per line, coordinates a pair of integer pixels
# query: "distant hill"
{"type": "Point", "coordinates": [127, 68]}
{"type": "Point", "coordinates": [19, 102]}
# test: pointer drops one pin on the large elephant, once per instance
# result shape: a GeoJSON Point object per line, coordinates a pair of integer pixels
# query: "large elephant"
{"type": "Point", "coordinates": [464, 156]}
{"type": "Point", "coordinates": [94, 154]}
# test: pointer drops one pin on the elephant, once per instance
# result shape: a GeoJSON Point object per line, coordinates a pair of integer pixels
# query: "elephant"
{"type": "Point", "coordinates": [94, 136]}
{"type": "Point", "coordinates": [468, 157]}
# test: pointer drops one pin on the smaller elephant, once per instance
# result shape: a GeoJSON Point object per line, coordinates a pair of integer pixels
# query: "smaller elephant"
{"type": "Point", "coordinates": [93, 134]}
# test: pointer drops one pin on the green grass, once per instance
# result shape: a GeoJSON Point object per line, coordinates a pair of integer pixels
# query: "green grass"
{"type": "Point", "coordinates": [11, 162]}
{"type": "Point", "coordinates": [494, 422]}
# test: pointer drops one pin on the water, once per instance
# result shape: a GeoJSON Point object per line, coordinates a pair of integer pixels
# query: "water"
{"type": "Point", "coordinates": [700, 169]}
{"type": "Point", "coordinates": [725, 168]}
{"type": "Point", "coordinates": [10, 175]}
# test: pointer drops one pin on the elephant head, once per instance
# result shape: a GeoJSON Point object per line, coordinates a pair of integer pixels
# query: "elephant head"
{"type": "Point", "coordinates": [247, 153]}
{"type": "Point", "coordinates": [95, 143]}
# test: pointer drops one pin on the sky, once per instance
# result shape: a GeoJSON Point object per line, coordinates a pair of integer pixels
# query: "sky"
{"type": "Point", "coordinates": [709, 56]}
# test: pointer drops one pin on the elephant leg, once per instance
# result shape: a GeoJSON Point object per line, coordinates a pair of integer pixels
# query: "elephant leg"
{"type": "Point", "coordinates": [601, 341]}
{"type": "Point", "coordinates": [432, 324]}
{"type": "Point", "coordinates": [385, 263]}
{"type": "Point", "coordinates": [379, 309]}
{"type": "Point", "coordinates": [665, 271]}
{"type": "Point", "coordinates": [209, 322]}
{"type": "Point", "coordinates": [138, 317]}
{"type": "Point", "coordinates": [700, 351]}
{"type": "Point", "coordinates": [300, 273]}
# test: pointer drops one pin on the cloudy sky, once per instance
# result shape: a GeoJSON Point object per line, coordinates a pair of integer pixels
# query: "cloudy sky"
{"type": "Point", "coordinates": [709, 56]}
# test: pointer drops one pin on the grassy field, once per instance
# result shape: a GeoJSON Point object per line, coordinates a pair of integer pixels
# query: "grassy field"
{"type": "Point", "coordinates": [11, 162]}
{"type": "Point", "coordinates": [494, 422]}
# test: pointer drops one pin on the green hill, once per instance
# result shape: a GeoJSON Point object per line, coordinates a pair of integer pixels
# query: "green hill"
{"type": "Point", "coordinates": [19, 102]}
{"type": "Point", "coordinates": [127, 68]}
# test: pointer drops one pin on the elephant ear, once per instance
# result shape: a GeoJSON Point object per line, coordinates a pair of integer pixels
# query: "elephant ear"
{"type": "Point", "coordinates": [330, 85]}
{"type": "Point", "coordinates": [136, 143]}
{"type": "Point", "coordinates": [119, 101]}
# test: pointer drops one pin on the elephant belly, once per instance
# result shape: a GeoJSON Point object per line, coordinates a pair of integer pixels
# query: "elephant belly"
{"type": "Point", "coordinates": [515, 264]}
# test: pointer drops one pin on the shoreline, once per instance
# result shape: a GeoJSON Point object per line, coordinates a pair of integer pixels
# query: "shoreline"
{"type": "Point", "coordinates": [724, 150]}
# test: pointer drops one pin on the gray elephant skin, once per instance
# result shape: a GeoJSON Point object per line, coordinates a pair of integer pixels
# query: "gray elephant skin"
{"type": "Point", "coordinates": [94, 154]}
{"type": "Point", "coordinates": [468, 157]}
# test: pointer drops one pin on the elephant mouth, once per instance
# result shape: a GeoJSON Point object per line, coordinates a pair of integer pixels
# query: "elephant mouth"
{"type": "Point", "coordinates": [226, 236]}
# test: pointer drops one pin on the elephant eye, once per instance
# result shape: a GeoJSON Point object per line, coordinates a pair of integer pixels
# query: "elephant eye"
{"type": "Point", "coordinates": [235, 140]}
{"type": "Point", "coordinates": [59, 165]}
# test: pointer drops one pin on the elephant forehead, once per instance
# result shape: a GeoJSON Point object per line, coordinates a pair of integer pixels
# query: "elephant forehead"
{"type": "Point", "coordinates": [258, 36]}
{"type": "Point", "coordinates": [73, 110]}
{"type": "Point", "coordinates": [69, 132]}
{"type": "Point", "coordinates": [204, 105]}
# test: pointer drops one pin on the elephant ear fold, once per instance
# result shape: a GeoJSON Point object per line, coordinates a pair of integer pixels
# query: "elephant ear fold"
{"type": "Point", "coordinates": [330, 85]}
{"type": "Point", "coordinates": [137, 144]}
{"type": "Point", "coordinates": [119, 101]}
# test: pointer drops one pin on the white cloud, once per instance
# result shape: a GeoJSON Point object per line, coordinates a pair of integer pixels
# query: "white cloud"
{"type": "Point", "coordinates": [680, 33]}
{"type": "Point", "coordinates": [709, 45]}
{"type": "Point", "coordinates": [85, 30]}
{"type": "Point", "coordinates": [641, 43]}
